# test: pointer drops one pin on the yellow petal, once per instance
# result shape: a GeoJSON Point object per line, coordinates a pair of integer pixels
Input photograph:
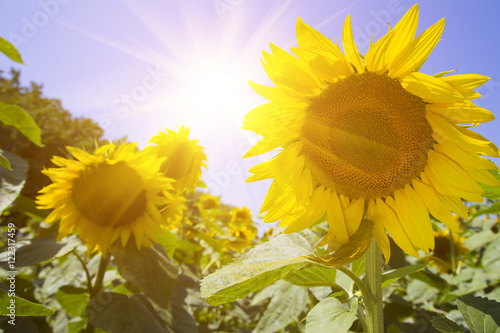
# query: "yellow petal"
{"type": "Point", "coordinates": [316, 209]}
{"type": "Point", "coordinates": [435, 206]}
{"type": "Point", "coordinates": [353, 215]}
{"type": "Point", "coordinates": [430, 89]}
{"type": "Point", "coordinates": [307, 37]}
{"type": "Point", "coordinates": [403, 34]}
{"type": "Point", "coordinates": [336, 221]}
{"type": "Point", "coordinates": [461, 113]}
{"type": "Point", "coordinates": [384, 213]}
{"type": "Point", "coordinates": [350, 48]}
{"type": "Point", "coordinates": [417, 51]}
{"type": "Point", "coordinates": [379, 232]}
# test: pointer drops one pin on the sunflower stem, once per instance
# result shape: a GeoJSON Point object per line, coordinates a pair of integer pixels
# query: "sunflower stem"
{"type": "Point", "coordinates": [374, 308]}
{"type": "Point", "coordinates": [89, 279]}
{"type": "Point", "coordinates": [452, 253]}
{"type": "Point", "coordinates": [98, 285]}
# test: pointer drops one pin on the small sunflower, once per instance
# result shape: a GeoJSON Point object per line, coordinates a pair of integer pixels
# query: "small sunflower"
{"type": "Point", "coordinates": [240, 216]}
{"type": "Point", "coordinates": [184, 158]}
{"type": "Point", "coordinates": [369, 135]}
{"type": "Point", "coordinates": [113, 193]}
{"type": "Point", "coordinates": [441, 257]}
{"type": "Point", "coordinates": [208, 201]}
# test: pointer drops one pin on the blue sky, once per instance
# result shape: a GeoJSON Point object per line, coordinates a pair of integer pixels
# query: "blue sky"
{"type": "Point", "coordinates": [137, 67]}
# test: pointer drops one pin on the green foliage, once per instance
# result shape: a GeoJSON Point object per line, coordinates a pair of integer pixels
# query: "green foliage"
{"type": "Point", "coordinates": [149, 270]}
{"type": "Point", "coordinates": [58, 129]}
{"type": "Point", "coordinates": [22, 306]}
{"type": "Point", "coordinates": [490, 191]}
{"type": "Point", "coordinates": [482, 315]}
{"type": "Point", "coordinates": [443, 324]}
{"type": "Point", "coordinates": [277, 259]}
{"type": "Point", "coordinates": [330, 315]}
{"type": "Point", "coordinates": [13, 115]}
{"type": "Point", "coordinates": [396, 274]}
{"type": "Point", "coordinates": [73, 299]}
{"type": "Point", "coordinates": [287, 302]}
{"type": "Point", "coordinates": [10, 51]}
{"type": "Point", "coordinates": [12, 181]}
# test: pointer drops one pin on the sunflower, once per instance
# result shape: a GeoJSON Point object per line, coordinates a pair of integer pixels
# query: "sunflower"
{"type": "Point", "coordinates": [369, 136]}
{"type": "Point", "coordinates": [208, 201]}
{"type": "Point", "coordinates": [240, 216]}
{"type": "Point", "coordinates": [242, 228]}
{"type": "Point", "coordinates": [441, 257]}
{"type": "Point", "coordinates": [113, 193]}
{"type": "Point", "coordinates": [184, 158]}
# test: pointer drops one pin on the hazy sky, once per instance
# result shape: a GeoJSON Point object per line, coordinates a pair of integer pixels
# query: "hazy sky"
{"type": "Point", "coordinates": [137, 67]}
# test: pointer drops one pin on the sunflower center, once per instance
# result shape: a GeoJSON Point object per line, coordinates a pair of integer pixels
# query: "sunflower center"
{"type": "Point", "coordinates": [110, 194]}
{"type": "Point", "coordinates": [178, 162]}
{"type": "Point", "coordinates": [366, 136]}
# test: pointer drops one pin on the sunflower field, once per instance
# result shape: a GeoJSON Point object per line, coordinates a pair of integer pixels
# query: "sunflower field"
{"type": "Point", "coordinates": [385, 204]}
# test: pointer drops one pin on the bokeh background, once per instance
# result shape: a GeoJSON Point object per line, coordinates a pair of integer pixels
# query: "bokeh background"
{"type": "Point", "coordinates": [137, 67]}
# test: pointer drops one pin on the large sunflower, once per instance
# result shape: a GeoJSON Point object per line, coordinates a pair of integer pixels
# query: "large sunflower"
{"type": "Point", "coordinates": [184, 157]}
{"type": "Point", "coordinates": [369, 135]}
{"type": "Point", "coordinates": [113, 193]}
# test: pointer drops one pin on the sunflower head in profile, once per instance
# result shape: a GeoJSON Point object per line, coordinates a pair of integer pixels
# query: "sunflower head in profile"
{"type": "Point", "coordinates": [108, 196]}
{"type": "Point", "coordinates": [184, 158]}
{"type": "Point", "coordinates": [369, 136]}
{"type": "Point", "coordinates": [242, 228]}
{"type": "Point", "coordinates": [443, 253]}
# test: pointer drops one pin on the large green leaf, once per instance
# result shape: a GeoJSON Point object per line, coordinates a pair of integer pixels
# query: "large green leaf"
{"type": "Point", "coordinates": [314, 276]}
{"type": "Point", "coordinates": [444, 325]}
{"type": "Point", "coordinates": [490, 191]}
{"type": "Point", "coordinates": [21, 306]}
{"type": "Point", "coordinates": [481, 314]}
{"type": "Point", "coordinates": [74, 300]}
{"type": "Point", "coordinates": [277, 259]}
{"type": "Point", "coordinates": [10, 51]}
{"type": "Point", "coordinates": [12, 181]}
{"type": "Point", "coordinates": [13, 115]}
{"type": "Point", "coordinates": [168, 241]}
{"type": "Point", "coordinates": [149, 269]}
{"type": "Point", "coordinates": [396, 274]}
{"type": "Point", "coordinates": [330, 315]}
{"type": "Point", "coordinates": [124, 314]}
{"type": "Point", "coordinates": [287, 303]}
{"type": "Point", "coordinates": [43, 248]}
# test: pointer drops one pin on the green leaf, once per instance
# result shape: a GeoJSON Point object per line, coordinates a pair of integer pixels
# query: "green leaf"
{"type": "Point", "coordinates": [13, 115]}
{"type": "Point", "coordinates": [330, 315]}
{"type": "Point", "coordinates": [277, 259]}
{"type": "Point", "coordinates": [491, 260]}
{"type": "Point", "coordinates": [287, 303]}
{"type": "Point", "coordinates": [28, 206]}
{"type": "Point", "coordinates": [43, 248]}
{"type": "Point", "coordinates": [490, 191]}
{"type": "Point", "coordinates": [358, 267]}
{"type": "Point", "coordinates": [396, 274]}
{"type": "Point", "coordinates": [4, 161]}
{"type": "Point", "coordinates": [74, 300]}
{"type": "Point", "coordinates": [314, 276]}
{"type": "Point", "coordinates": [10, 51]}
{"type": "Point", "coordinates": [148, 269]}
{"type": "Point", "coordinates": [481, 314]}
{"type": "Point", "coordinates": [443, 324]}
{"type": "Point", "coordinates": [123, 313]}
{"type": "Point", "coordinates": [168, 241]}
{"type": "Point", "coordinates": [21, 306]}
{"type": "Point", "coordinates": [479, 239]}
{"type": "Point", "coordinates": [76, 325]}
{"type": "Point", "coordinates": [12, 181]}
{"type": "Point", "coordinates": [494, 208]}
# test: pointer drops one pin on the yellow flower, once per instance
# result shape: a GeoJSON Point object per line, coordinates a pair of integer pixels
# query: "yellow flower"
{"type": "Point", "coordinates": [441, 257]}
{"type": "Point", "coordinates": [113, 193]}
{"type": "Point", "coordinates": [208, 201]}
{"type": "Point", "coordinates": [185, 157]}
{"type": "Point", "coordinates": [240, 215]}
{"type": "Point", "coordinates": [244, 233]}
{"type": "Point", "coordinates": [369, 135]}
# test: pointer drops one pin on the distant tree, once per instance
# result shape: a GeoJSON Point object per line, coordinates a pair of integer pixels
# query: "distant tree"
{"type": "Point", "coordinates": [59, 129]}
